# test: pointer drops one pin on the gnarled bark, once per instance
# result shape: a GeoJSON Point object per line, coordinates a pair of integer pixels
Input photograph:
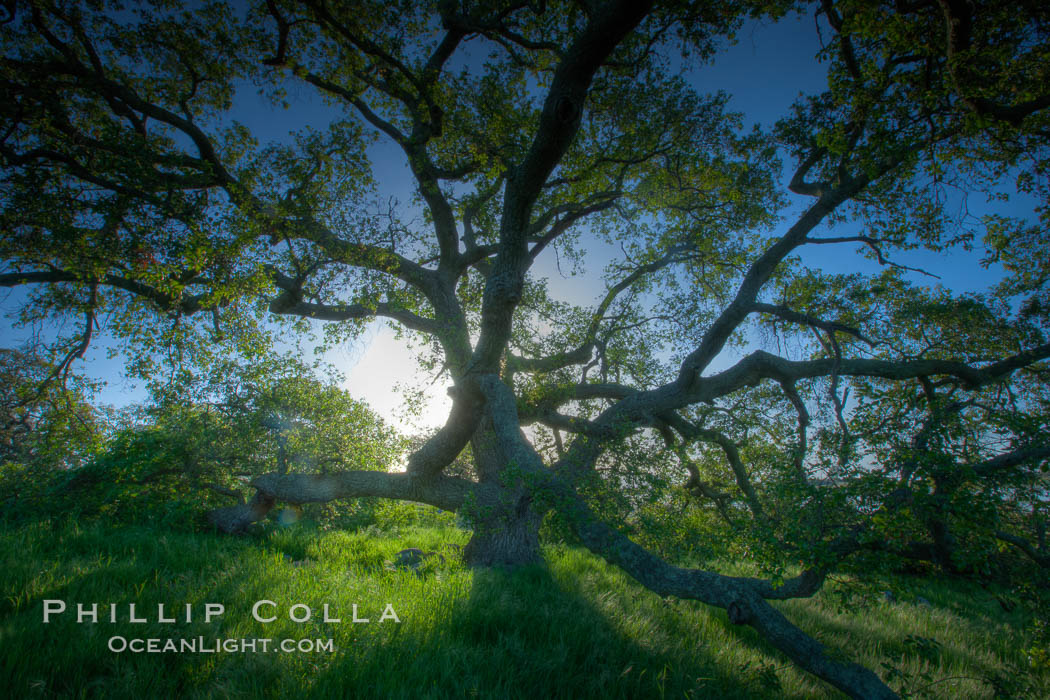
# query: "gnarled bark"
{"type": "Point", "coordinates": [506, 533]}
{"type": "Point", "coordinates": [508, 538]}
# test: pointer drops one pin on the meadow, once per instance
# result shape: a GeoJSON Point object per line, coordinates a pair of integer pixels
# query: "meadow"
{"type": "Point", "coordinates": [572, 628]}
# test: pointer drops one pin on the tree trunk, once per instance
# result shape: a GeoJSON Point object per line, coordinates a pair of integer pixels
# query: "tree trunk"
{"type": "Point", "coordinates": [937, 525]}
{"type": "Point", "coordinates": [507, 539]}
{"type": "Point", "coordinates": [504, 535]}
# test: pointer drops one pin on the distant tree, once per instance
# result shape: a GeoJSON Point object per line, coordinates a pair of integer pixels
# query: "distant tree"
{"type": "Point", "coordinates": [48, 426]}
{"type": "Point", "coordinates": [45, 417]}
{"type": "Point", "coordinates": [564, 128]}
{"type": "Point", "coordinates": [202, 440]}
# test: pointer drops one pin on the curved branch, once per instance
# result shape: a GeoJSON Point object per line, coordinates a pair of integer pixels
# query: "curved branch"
{"type": "Point", "coordinates": [690, 431]}
{"type": "Point", "coordinates": [741, 599]}
{"type": "Point", "coordinates": [757, 275]}
{"type": "Point", "coordinates": [763, 365]}
{"type": "Point", "coordinates": [637, 408]}
{"type": "Point", "coordinates": [875, 245]}
{"type": "Point", "coordinates": [445, 445]}
{"type": "Point", "coordinates": [807, 320]}
{"type": "Point", "coordinates": [572, 215]}
{"type": "Point", "coordinates": [1025, 546]}
{"type": "Point", "coordinates": [447, 493]}
{"type": "Point", "coordinates": [791, 392]}
{"type": "Point", "coordinates": [290, 302]}
{"type": "Point", "coordinates": [186, 305]}
{"type": "Point", "coordinates": [1009, 460]}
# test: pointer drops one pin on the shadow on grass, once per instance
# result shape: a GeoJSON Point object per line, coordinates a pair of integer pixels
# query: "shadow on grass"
{"type": "Point", "coordinates": [523, 634]}
{"type": "Point", "coordinates": [493, 634]}
{"type": "Point", "coordinates": [575, 628]}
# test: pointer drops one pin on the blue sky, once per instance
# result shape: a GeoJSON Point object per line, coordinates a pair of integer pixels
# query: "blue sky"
{"type": "Point", "coordinates": [764, 72]}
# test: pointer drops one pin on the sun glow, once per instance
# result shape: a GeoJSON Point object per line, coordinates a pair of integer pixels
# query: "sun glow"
{"type": "Point", "coordinates": [384, 373]}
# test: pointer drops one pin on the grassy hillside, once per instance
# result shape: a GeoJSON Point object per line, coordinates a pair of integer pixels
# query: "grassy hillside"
{"type": "Point", "coordinates": [574, 629]}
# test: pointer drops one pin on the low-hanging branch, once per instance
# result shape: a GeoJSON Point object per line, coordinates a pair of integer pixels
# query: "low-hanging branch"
{"type": "Point", "coordinates": [742, 598]}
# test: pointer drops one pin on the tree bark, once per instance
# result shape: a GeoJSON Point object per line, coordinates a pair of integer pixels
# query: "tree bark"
{"type": "Point", "coordinates": [447, 493]}
{"type": "Point", "coordinates": [506, 534]}
{"type": "Point", "coordinates": [506, 539]}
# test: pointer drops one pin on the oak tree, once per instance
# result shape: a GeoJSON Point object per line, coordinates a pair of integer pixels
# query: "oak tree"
{"type": "Point", "coordinates": [819, 409]}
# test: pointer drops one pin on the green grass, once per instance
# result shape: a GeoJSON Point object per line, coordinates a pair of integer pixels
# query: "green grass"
{"type": "Point", "coordinates": [576, 628]}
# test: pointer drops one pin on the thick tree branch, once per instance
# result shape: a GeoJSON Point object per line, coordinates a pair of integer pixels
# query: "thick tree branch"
{"type": "Point", "coordinates": [448, 493]}
{"type": "Point", "coordinates": [187, 304]}
{"type": "Point", "coordinates": [448, 442]}
{"type": "Point", "coordinates": [741, 599]}
{"type": "Point", "coordinates": [558, 125]}
{"type": "Point", "coordinates": [638, 408]}
{"type": "Point", "coordinates": [762, 365]}
{"type": "Point", "coordinates": [1010, 460]}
